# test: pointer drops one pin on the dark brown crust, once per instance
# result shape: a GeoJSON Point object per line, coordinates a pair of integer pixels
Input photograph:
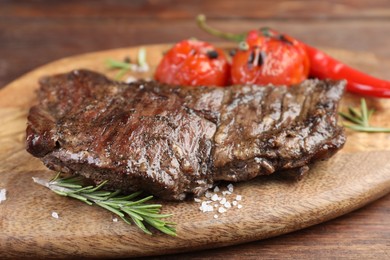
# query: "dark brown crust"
{"type": "Point", "coordinates": [173, 141]}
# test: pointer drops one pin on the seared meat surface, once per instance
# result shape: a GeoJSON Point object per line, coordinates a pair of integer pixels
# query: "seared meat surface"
{"type": "Point", "coordinates": [173, 141]}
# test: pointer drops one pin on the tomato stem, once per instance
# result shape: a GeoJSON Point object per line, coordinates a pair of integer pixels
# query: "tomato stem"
{"type": "Point", "coordinates": [201, 21]}
{"type": "Point", "coordinates": [265, 31]}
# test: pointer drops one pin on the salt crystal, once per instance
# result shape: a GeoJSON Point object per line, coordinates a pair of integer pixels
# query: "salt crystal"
{"type": "Point", "coordinates": [224, 193]}
{"type": "Point", "coordinates": [223, 201]}
{"type": "Point", "coordinates": [239, 206]}
{"type": "Point", "coordinates": [55, 215]}
{"type": "Point", "coordinates": [114, 220]}
{"type": "Point", "coordinates": [206, 207]}
{"type": "Point", "coordinates": [216, 189]}
{"type": "Point", "coordinates": [216, 205]}
{"type": "Point", "coordinates": [238, 197]}
{"type": "Point", "coordinates": [197, 200]}
{"type": "Point", "coordinates": [230, 187]}
{"type": "Point", "coordinates": [215, 216]}
{"type": "Point", "coordinates": [205, 203]}
{"type": "Point", "coordinates": [234, 203]}
{"type": "Point", "coordinates": [3, 193]}
{"type": "Point", "coordinates": [215, 197]}
{"type": "Point", "coordinates": [221, 210]}
{"type": "Point", "coordinates": [208, 194]}
{"type": "Point", "coordinates": [227, 205]}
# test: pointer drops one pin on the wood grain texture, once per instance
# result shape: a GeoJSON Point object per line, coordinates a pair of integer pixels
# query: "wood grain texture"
{"type": "Point", "coordinates": [35, 32]}
{"type": "Point", "coordinates": [177, 9]}
{"type": "Point", "coordinates": [359, 174]}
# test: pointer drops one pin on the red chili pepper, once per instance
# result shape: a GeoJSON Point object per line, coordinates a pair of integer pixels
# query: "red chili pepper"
{"type": "Point", "coordinates": [323, 66]}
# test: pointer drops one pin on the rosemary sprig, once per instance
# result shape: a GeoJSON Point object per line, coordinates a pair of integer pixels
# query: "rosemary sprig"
{"type": "Point", "coordinates": [124, 67]}
{"type": "Point", "coordinates": [126, 207]}
{"type": "Point", "coordinates": [360, 119]}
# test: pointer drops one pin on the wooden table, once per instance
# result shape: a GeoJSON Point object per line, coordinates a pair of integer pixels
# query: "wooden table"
{"type": "Point", "coordinates": [33, 33]}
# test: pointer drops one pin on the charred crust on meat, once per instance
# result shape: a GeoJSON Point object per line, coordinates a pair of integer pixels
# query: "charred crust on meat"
{"type": "Point", "coordinates": [177, 141]}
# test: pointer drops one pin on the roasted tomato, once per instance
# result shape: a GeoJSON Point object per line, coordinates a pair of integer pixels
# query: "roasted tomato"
{"type": "Point", "coordinates": [194, 63]}
{"type": "Point", "coordinates": [270, 59]}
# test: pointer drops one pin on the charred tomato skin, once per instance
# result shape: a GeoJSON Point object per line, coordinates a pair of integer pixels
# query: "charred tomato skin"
{"type": "Point", "coordinates": [194, 63]}
{"type": "Point", "coordinates": [272, 59]}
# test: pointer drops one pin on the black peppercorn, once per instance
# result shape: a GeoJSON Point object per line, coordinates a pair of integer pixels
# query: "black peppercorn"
{"type": "Point", "coordinates": [283, 38]}
{"type": "Point", "coordinates": [212, 54]}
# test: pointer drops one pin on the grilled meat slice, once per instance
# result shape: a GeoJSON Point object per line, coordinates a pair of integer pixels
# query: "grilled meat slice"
{"type": "Point", "coordinates": [173, 141]}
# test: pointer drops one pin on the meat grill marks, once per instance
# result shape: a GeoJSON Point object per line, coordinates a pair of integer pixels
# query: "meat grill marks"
{"type": "Point", "coordinates": [175, 141]}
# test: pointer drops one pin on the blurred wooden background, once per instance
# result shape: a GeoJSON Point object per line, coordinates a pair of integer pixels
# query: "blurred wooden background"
{"type": "Point", "coordinates": [33, 33]}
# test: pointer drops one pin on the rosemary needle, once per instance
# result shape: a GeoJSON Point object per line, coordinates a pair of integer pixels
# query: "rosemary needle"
{"type": "Point", "coordinates": [360, 119]}
{"type": "Point", "coordinates": [124, 67]}
{"type": "Point", "coordinates": [126, 207]}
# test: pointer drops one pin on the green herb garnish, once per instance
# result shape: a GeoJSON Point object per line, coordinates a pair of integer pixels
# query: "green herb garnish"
{"type": "Point", "coordinates": [126, 207]}
{"type": "Point", "coordinates": [124, 66]}
{"type": "Point", "coordinates": [360, 119]}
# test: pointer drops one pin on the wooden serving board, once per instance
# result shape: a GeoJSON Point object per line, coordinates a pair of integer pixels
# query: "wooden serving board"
{"type": "Point", "coordinates": [357, 175]}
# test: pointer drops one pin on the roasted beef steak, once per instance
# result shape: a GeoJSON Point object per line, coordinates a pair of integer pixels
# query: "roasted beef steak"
{"type": "Point", "coordinates": [173, 141]}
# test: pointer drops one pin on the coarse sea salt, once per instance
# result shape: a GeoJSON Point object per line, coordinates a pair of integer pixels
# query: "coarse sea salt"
{"type": "Point", "coordinates": [230, 187]}
{"type": "Point", "coordinates": [224, 193]}
{"type": "Point", "coordinates": [114, 220]}
{"type": "Point", "coordinates": [205, 207]}
{"type": "Point", "coordinates": [3, 195]}
{"type": "Point", "coordinates": [227, 205]}
{"type": "Point", "coordinates": [55, 215]}
{"type": "Point", "coordinates": [221, 210]}
{"type": "Point", "coordinates": [215, 197]}
{"type": "Point", "coordinates": [219, 199]}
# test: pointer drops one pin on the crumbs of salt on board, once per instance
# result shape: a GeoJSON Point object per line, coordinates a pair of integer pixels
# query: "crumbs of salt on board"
{"type": "Point", "coordinates": [218, 200]}
{"type": "Point", "coordinates": [3, 195]}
